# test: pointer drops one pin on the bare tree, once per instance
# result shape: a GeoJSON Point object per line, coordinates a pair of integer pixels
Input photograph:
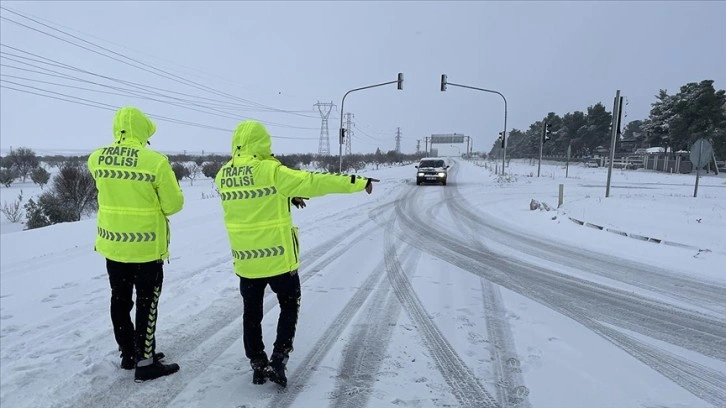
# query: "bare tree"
{"type": "Point", "coordinates": [180, 171]}
{"type": "Point", "coordinates": [13, 211]}
{"type": "Point", "coordinates": [7, 176]}
{"type": "Point", "coordinates": [40, 176]}
{"type": "Point", "coordinates": [194, 169]}
{"type": "Point", "coordinates": [23, 160]}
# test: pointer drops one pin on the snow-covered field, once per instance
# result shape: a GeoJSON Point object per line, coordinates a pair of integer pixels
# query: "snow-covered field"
{"type": "Point", "coordinates": [414, 296]}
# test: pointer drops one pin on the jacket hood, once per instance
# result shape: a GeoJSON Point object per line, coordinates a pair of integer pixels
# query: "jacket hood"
{"type": "Point", "coordinates": [132, 124]}
{"type": "Point", "coordinates": [251, 139]}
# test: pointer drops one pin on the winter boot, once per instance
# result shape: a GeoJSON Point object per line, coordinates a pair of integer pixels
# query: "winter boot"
{"type": "Point", "coordinates": [259, 376]}
{"type": "Point", "coordinates": [154, 370]}
{"type": "Point", "coordinates": [128, 361]}
{"type": "Point", "coordinates": [259, 365]}
{"type": "Point", "coordinates": [276, 369]}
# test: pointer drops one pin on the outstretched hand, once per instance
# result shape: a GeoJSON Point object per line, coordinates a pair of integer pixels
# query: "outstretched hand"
{"type": "Point", "coordinates": [369, 185]}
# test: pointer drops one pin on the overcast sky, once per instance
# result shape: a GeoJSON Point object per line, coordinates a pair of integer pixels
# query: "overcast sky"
{"type": "Point", "coordinates": [543, 56]}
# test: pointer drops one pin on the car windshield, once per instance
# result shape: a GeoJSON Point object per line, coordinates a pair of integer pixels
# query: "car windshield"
{"type": "Point", "coordinates": [432, 163]}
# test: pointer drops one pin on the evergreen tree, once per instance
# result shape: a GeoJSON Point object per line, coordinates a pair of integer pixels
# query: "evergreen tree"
{"type": "Point", "coordinates": [661, 112]}
{"type": "Point", "coordinates": [596, 132]}
{"type": "Point", "coordinates": [516, 145]}
{"type": "Point", "coordinates": [573, 125]}
{"type": "Point", "coordinates": [634, 130]}
{"type": "Point", "coordinates": [697, 113]}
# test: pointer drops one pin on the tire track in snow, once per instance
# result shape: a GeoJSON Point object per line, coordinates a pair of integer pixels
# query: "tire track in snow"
{"type": "Point", "coordinates": [573, 297]}
{"type": "Point", "coordinates": [505, 361]}
{"type": "Point", "coordinates": [652, 317]}
{"type": "Point", "coordinates": [205, 336]}
{"type": "Point", "coordinates": [364, 353]}
{"type": "Point", "coordinates": [682, 287]}
{"type": "Point", "coordinates": [302, 373]}
{"type": "Point", "coordinates": [465, 386]}
{"type": "Point", "coordinates": [71, 318]}
{"type": "Point", "coordinates": [74, 320]}
{"type": "Point", "coordinates": [513, 392]}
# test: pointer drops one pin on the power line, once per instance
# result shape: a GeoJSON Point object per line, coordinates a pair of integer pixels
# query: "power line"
{"type": "Point", "coordinates": [101, 105]}
{"type": "Point", "coordinates": [156, 57]}
{"type": "Point", "coordinates": [44, 60]}
{"type": "Point", "coordinates": [375, 139]}
{"type": "Point", "coordinates": [164, 74]}
{"type": "Point", "coordinates": [140, 87]}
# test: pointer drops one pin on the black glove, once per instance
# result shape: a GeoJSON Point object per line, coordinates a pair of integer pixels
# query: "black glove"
{"type": "Point", "coordinates": [298, 202]}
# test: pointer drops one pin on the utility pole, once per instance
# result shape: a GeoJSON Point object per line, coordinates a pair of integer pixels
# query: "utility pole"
{"type": "Point", "coordinates": [398, 140]}
{"type": "Point", "coordinates": [617, 112]}
{"type": "Point", "coordinates": [418, 146]}
{"type": "Point", "coordinates": [349, 131]}
{"type": "Point", "coordinates": [324, 144]}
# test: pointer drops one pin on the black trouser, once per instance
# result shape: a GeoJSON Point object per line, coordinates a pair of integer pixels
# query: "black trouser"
{"type": "Point", "coordinates": [147, 278]}
{"type": "Point", "coordinates": [287, 288]}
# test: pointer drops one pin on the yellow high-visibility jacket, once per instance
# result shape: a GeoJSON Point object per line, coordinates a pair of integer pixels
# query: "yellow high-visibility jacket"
{"type": "Point", "coordinates": [137, 190]}
{"type": "Point", "coordinates": [256, 190]}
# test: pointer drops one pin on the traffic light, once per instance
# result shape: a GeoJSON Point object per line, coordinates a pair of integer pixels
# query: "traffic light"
{"type": "Point", "coordinates": [501, 137]}
{"type": "Point", "coordinates": [400, 81]}
{"type": "Point", "coordinates": [342, 135]}
{"type": "Point", "coordinates": [546, 133]}
{"type": "Point", "coordinates": [443, 82]}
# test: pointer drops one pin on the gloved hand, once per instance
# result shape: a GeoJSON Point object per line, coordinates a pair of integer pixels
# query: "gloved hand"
{"type": "Point", "coordinates": [299, 202]}
{"type": "Point", "coordinates": [369, 185]}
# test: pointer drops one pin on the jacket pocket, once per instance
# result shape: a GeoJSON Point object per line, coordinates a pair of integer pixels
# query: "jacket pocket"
{"type": "Point", "coordinates": [295, 243]}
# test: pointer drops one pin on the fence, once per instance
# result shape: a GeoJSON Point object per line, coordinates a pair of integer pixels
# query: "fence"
{"type": "Point", "coordinates": [670, 163]}
{"type": "Point", "coordinates": [667, 163]}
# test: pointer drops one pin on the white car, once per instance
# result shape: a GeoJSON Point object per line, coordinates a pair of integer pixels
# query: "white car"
{"type": "Point", "coordinates": [432, 170]}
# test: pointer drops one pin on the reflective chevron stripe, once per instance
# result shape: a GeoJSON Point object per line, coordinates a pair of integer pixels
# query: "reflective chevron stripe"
{"type": "Point", "coordinates": [259, 253]}
{"type": "Point", "coordinates": [124, 175]}
{"type": "Point", "coordinates": [247, 194]}
{"type": "Point", "coordinates": [126, 236]}
{"type": "Point", "coordinates": [149, 341]}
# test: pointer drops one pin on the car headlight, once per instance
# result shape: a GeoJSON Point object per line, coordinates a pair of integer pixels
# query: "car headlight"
{"type": "Point", "coordinates": [442, 174]}
{"type": "Point", "coordinates": [420, 174]}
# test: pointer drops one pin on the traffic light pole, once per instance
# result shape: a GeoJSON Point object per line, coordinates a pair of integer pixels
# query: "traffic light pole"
{"type": "Point", "coordinates": [541, 144]}
{"type": "Point", "coordinates": [445, 82]}
{"type": "Point", "coordinates": [615, 125]}
{"type": "Point", "coordinates": [341, 133]}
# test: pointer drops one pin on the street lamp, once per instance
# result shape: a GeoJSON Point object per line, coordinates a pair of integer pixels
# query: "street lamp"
{"type": "Point", "coordinates": [341, 134]}
{"type": "Point", "coordinates": [445, 82]}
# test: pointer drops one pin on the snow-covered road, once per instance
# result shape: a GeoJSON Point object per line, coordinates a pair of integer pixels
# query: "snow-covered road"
{"type": "Point", "coordinates": [416, 296]}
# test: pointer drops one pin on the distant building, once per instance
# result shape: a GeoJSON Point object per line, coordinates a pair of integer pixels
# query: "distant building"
{"type": "Point", "coordinates": [628, 144]}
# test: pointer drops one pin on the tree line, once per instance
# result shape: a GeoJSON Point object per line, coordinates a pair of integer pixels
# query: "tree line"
{"type": "Point", "coordinates": [675, 122]}
{"type": "Point", "coordinates": [72, 192]}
